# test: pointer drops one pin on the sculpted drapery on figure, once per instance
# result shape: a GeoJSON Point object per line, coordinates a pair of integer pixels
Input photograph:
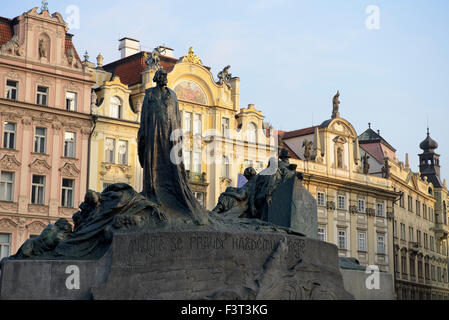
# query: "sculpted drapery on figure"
{"type": "Point", "coordinates": [160, 135]}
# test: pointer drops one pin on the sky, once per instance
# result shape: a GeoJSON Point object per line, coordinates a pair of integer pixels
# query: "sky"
{"type": "Point", "coordinates": [391, 65]}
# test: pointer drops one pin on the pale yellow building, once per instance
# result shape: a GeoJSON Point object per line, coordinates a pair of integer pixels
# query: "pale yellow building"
{"type": "Point", "coordinates": [220, 138]}
{"type": "Point", "coordinates": [355, 210]}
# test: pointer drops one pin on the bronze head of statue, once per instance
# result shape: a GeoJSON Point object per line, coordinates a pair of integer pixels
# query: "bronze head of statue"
{"type": "Point", "coordinates": [160, 77]}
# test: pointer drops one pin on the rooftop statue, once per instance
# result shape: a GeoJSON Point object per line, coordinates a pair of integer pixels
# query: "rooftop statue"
{"type": "Point", "coordinates": [153, 61]}
{"type": "Point", "coordinates": [225, 77]}
{"type": "Point", "coordinates": [336, 106]}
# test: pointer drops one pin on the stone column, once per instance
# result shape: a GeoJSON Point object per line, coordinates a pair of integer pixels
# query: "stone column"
{"type": "Point", "coordinates": [25, 176]}
{"type": "Point", "coordinates": [55, 176]}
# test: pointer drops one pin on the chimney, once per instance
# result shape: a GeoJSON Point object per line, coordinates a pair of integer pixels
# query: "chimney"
{"type": "Point", "coordinates": [168, 52]}
{"type": "Point", "coordinates": [128, 47]}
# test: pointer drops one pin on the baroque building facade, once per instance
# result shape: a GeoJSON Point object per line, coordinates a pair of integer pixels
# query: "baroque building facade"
{"type": "Point", "coordinates": [220, 139]}
{"type": "Point", "coordinates": [355, 210]}
{"type": "Point", "coordinates": [44, 111]}
{"type": "Point", "coordinates": [420, 218]}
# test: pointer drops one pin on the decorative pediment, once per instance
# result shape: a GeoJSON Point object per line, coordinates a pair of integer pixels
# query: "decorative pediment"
{"type": "Point", "coordinates": [340, 140]}
{"type": "Point", "coordinates": [35, 227]}
{"type": "Point", "coordinates": [40, 166]}
{"type": "Point", "coordinates": [9, 162]}
{"type": "Point", "coordinates": [7, 225]}
{"type": "Point", "coordinates": [191, 57]}
{"type": "Point", "coordinates": [13, 75]}
{"type": "Point", "coordinates": [69, 170]}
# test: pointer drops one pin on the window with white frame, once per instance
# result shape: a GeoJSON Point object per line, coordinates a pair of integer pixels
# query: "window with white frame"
{"type": "Point", "coordinates": [361, 205]}
{"type": "Point", "coordinates": [42, 96]}
{"type": "Point", "coordinates": [320, 198]}
{"type": "Point", "coordinates": [116, 108]}
{"type": "Point", "coordinates": [123, 152]}
{"type": "Point", "coordinates": [196, 162]}
{"type": "Point", "coordinates": [361, 241]}
{"type": "Point", "coordinates": [342, 239]}
{"type": "Point", "coordinates": [38, 190]}
{"type": "Point", "coordinates": [197, 124]}
{"type": "Point", "coordinates": [68, 191]}
{"type": "Point", "coordinates": [187, 122]}
{"type": "Point", "coordinates": [380, 210]}
{"type": "Point", "coordinates": [40, 139]}
{"type": "Point", "coordinates": [322, 233]}
{"type": "Point", "coordinates": [251, 132]}
{"type": "Point", "coordinates": [225, 127]}
{"type": "Point", "coordinates": [5, 245]}
{"type": "Point", "coordinates": [342, 202]}
{"type": "Point", "coordinates": [70, 101]}
{"type": "Point", "coordinates": [69, 144]}
{"type": "Point", "coordinates": [187, 155]}
{"type": "Point", "coordinates": [9, 135]}
{"type": "Point", "coordinates": [7, 186]}
{"type": "Point", "coordinates": [11, 89]}
{"type": "Point", "coordinates": [225, 167]}
{"type": "Point", "coordinates": [380, 244]}
{"type": "Point", "coordinates": [110, 150]}
{"type": "Point", "coordinates": [200, 197]}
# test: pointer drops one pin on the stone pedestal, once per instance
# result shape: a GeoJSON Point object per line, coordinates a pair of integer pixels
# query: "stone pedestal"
{"type": "Point", "coordinates": [186, 265]}
{"type": "Point", "coordinates": [294, 207]}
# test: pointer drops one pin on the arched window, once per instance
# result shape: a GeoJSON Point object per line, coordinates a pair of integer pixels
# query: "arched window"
{"type": "Point", "coordinates": [251, 132]}
{"type": "Point", "coordinates": [116, 108]}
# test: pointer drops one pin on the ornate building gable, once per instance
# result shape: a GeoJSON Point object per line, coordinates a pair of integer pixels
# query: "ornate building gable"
{"type": "Point", "coordinates": [7, 225]}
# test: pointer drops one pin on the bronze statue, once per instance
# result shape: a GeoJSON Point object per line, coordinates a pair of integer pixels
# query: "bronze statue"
{"type": "Point", "coordinates": [386, 169]}
{"type": "Point", "coordinates": [153, 61]}
{"type": "Point", "coordinates": [160, 154]}
{"type": "Point", "coordinates": [336, 105]}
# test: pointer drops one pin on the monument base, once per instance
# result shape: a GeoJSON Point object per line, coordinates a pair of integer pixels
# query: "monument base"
{"type": "Point", "coordinates": [186, 265]}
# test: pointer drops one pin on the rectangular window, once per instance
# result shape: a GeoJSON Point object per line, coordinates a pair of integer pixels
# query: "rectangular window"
{"type": "Point", "coordinates": [187, 155]}
{"type": "Point", "coordinates": [38, 190]}
{"type": "Point", "coordinates": [115, 108]}
{"type": "Point", "coordinates": [402, 231]}
{"type": "Point", "coordinates": [342, 202]}
{"type": "Point", "coordinates": [402, 201]}
{"type": "Point", "coordinates": [432, 243]}
{"type": "Point", "coordinates": [200, 197]}
{"type": "Point", "coordinates": [40, 140]}
{"type": "Point", "coordinates": [69, 144]}
{"type": "Point", "coordinates": [395, 228]}
{"type": "Point", "coordinates": [410, 234]}
{"type": "Point", "coordinates": [70, 101]}
{"type": "Point", "coordinates": [420, 274]}
{"type": "Point", "coordinates": [439, 274]}
{"type": "Point", "coordinates": [7, 186]}
{"type": "Point", "coordinates": [361, 241]}
{"type": "Point", "coordinates": [418, 237]}
{"type": "Point", "coordinates": [432, 272]}
{"type": "Point", "coordinates": [418, 208]}
{"type": "Point", "coordinates": [197, 124]}
{"type": "Point", "coordinates": [5, 245]}
{"type": "Point", "coordinates": [426, 271]}
{"type": "Point", "coordinates": [123, 152]}
{"type": "Point", "coordinates": [110, 150]}
{"type": "Point", "coordinates": [380, 210]}
{"type": "Point", "coordinates": [225, 127]}
{"type": "Point", "coordinates": [11, 89]}
{"type": "Point", "coordinates": [68, 190]}
{"type": "Point", "coordinates": [225, 168]}
{"type": "Point", "coordinates": [342, 239]}
{"type": "Point", "coordinates": [322, 234]}
{"type": "Point", "coordinates": [381, 244]}
{"type": "Point", "coordinates": [320, 199]}
{"type": "Point", "coordinates": [197, 162]}
{"type": "Point", "coordinates": [426, 241]}
{"type": "Point", "coordinates": [361, 207]}
{"type": "Point", "coordinates": [187, 122]}
{"type": "Point", "coordinates": [412, 266]}
{"type": "Point", "coordinates": [424, 211]}
{"type": "Point", "coordinates": [42, 96]}
{"type": "Point", "coordinates": [9, 135]}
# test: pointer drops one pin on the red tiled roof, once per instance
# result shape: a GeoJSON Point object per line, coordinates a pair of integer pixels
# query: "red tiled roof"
{"type": "Point", "coordinates": [69, 44]}
{"type": "Point", "coordinates": [292, 154]}
{"type": "Point", "coordinates": [129, 69]}
{"type": "Point", "coordinates": [5, 30]}
{"type": "Point", "coordinates": [299, 133]}
{"type": "Point", "coordinates": [374, 149]}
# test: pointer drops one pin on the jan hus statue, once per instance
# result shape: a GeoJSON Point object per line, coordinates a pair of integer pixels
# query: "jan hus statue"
{"type": "Point", "coordinates": [160, 154]}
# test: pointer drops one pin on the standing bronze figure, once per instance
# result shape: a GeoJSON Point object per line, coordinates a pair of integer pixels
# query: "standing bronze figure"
{"type": "Point", "coordinates": [165, 181]}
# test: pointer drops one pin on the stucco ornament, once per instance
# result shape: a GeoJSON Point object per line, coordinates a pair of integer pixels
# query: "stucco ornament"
{"type": "Point", "coordinates": [191, 57]}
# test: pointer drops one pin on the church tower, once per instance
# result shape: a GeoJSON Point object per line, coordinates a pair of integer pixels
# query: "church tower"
{"type": "Point", "coordinates": [429, 161]}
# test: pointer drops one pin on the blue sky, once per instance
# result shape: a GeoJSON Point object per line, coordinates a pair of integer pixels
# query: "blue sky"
{"type": "Point", "coordinates": [292, 56]}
